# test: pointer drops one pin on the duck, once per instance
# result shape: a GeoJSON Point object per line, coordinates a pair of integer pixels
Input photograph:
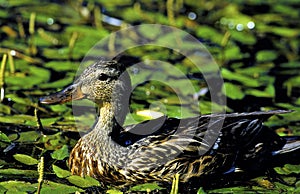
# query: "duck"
{"type": "Point", "coordinates": [161, 148]}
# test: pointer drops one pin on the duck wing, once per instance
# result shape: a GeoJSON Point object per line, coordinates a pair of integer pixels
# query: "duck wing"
{"type": "Point", "coordinates": [163, 126]}
{"type": "Point", "coordinates": [203, 145]}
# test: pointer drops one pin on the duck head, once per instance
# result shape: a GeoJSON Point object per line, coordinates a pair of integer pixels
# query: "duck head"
{"type": "Point", "coordinates": [100, 82]}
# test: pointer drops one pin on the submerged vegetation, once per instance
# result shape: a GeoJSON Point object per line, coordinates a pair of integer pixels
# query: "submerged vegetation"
{"type": "Point", "coordinates": [42, 43]}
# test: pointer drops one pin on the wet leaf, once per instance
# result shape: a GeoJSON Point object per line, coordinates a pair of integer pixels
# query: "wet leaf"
{"type": "Point", "coordinates": [18, 119]}
{"type": "Point", "coordinates": [26, 136]}
{"type": "Point", "coordinates": [233, 190]}
{"type": "Point", "coordinates": [4, 138]}
{"type": "Point", "coordinates": [18, 99]}
{"type": "Point", "coordinates": [266, 55]}
{"type": "Point", "coordinates": [201, 191]}
{"type": "Point", "coordinates": [57, 54]}
{"type": "Point", "coordinates": [293, 81]}
{"type": "Point", "coordinates": [61, 153]}
{"type": "Point", "coordinates": [233, 91]}
{"type": "Point", "coordinates": [209, 33]}
{"type": "Point", "coordinates": [144, 30]}
{"type": "Point", "coordinates": [269, 92]}
{"type": "Point", "coordinates": [33, 76]}
{"type": "Point", "coordinates": [264, 183]}
{"type": "Point", "coordinates": [83, 182]}
{"type": "Point", "coordinates": [25, 159]}
{"type": "Point", "coordinates": [232, 52]}
{"type": "Point", "coordinates": [49, 121]}
{"type": "Point", "coordinates": [291, 64]}
{"type": "Point", "coordinates": [245, 80]}
{"type": "Point", "coordinates": [50, 187]}
{"type": "Point", "coordinates": [284, 188]}
{"type": "Point", "coordinates": [54, 142]}
{"type": "Point", "coordinates": [208, 107]}
{"type": "Point", "coordinates": [5, 109]}
{"type": "Point", "coordinates": [146, 187]}
{"type": "Point", "coordinates": [18, 187]}
{"type": "Point", "coordinates": [59, 83]}
{"type": "Point", "coordinates": [19, 172]}
{"type": "Point", "coordinates": [288, 169]}
{"type": "Point", "coordinates": [61, 173]}
{"type": "Point", "coordinates": [60, 66]}
{"type": "Point", "coordinates": [59, 108]}
{"type": "Point", "coordinates": [114, 191]}
{"type": "Point", "coordinates": [243, 37]}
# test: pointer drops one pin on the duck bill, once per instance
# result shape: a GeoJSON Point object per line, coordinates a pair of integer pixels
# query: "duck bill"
{"type": "Point", "coordinates": [72, 92]}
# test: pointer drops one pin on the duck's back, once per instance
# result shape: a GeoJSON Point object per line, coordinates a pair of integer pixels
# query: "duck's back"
{"type": "Point", "coordinates": [199, 146]}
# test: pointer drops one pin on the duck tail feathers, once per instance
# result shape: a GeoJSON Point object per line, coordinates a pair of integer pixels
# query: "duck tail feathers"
{"type": "Point", "coordinates": [292, 145]}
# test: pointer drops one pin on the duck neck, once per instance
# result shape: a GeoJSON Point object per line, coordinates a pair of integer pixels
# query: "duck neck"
{"type": "Point", "coordinates": [107, 123]}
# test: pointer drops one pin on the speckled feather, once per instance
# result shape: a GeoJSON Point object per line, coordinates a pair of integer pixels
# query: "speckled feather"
{"type": "Point", "coordinates": [188, 147]}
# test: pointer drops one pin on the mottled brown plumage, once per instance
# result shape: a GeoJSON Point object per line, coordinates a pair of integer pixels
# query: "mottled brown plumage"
{"type": "Point", "coordinates": [192, 147]}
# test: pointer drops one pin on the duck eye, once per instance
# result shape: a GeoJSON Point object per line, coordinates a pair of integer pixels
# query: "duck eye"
{"type": "Point", "coordinates": [102, 77]}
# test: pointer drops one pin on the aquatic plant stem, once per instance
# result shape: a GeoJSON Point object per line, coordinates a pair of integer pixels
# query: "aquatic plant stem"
{"type": "Point", "coordinates": [41, 175]}
{"type": "Point", "coordinates": [21, 27]}
{"type": "Point", "coordinates": [170, 12]}
{"type": "Point", "coordinates": [2, 75]}
{"type": "Point", "coordinates": [175, 183]}
{"type": "Point", "coordinates": [11, 63]}
{"type": "Point", "coordinates": [72, 43]}
{"type": "Point", "coordinates": [98, 17]}
{"type": "Point", "coordinates": [32, 47]}
{"type": "Point", "coordinates": [38, 120]}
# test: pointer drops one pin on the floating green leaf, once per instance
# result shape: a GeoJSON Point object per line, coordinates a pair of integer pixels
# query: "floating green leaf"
{"type": "Point", "coordinates": [247, 81]}
{"type": "Point", "coordinates": [18, 187]}
{"type": "Point", "coordinates": [146, 187]}
{"type": "Point", "coordinates": [288, 169]}
{"type": "Point", "coordinates": [201, 191]}
{"type": "Point", "coordinates": [61, 173]}
{"type": "Point", "coordinates": [60, 66]}
{"type": "Point", "coordinates": [61, 153]}
{"type": "Point", "coordinates": [5, 109]}
{"type": "Point", "coordinates": [269, 92]}
{"type": "Point", "coordinates": [50, 187]}
{"type": "Point", "coordinates": [30, 77]}
{"type": "Point", "coordinates": [114, 191]}
{"type": "Point", "coordinates": [266, 55]}
{"type": "Point", "coordinates": [233, 91]}
{"type": "Point", "coordinates": [232, 52]}
{"type": "Point", "coordinates": [83, 182]}
{"type": "Point", "coordinates": [243, 37]}
{"type": "Point", "coordinates": [25, 159]}
{"type": "Point", "coordinates": [210, 33]}
{"type": "Point", "coordinates": [3, 137]}
{"type": "Point", "coordinates": [26, 136]}
{"type": "Point", "coordinates": [18, 172]}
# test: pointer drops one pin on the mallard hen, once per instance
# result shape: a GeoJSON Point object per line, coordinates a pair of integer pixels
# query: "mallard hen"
{"type": "Point", "coordinates": [192, 147]}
